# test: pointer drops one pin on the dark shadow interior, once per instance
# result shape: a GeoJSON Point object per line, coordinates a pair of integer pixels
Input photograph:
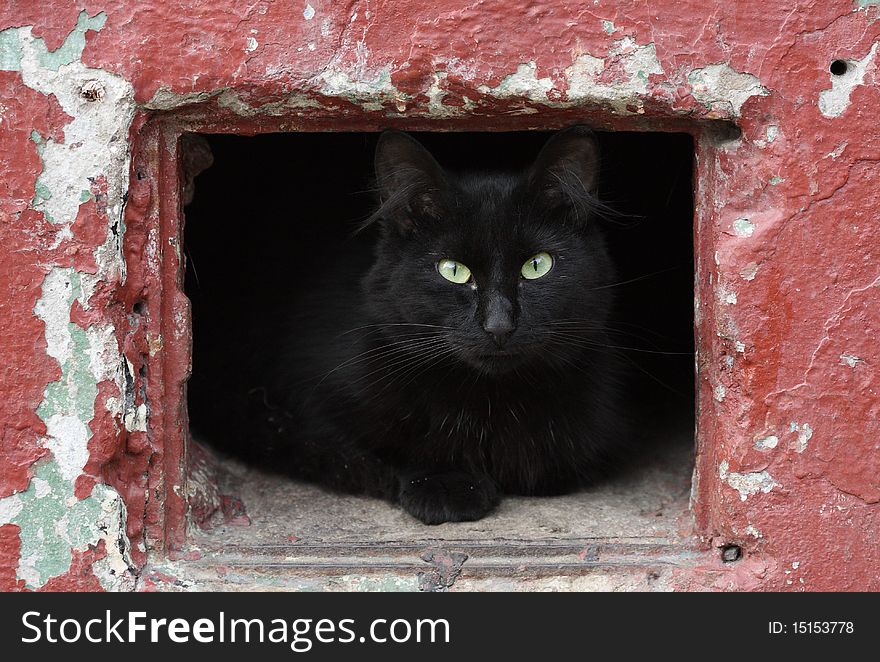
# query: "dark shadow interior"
{"type": "Point", "coordinates": [274, 204]}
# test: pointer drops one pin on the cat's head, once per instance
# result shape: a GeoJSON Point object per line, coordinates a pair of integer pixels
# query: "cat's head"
{"type": "Point", "coordinates": [495, 270]}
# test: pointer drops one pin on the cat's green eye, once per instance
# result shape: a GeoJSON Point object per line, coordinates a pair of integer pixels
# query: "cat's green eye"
{"type": "Point", "coordinates": [537, 266]}
{"type": "Point", "coordinates": [454, 271]}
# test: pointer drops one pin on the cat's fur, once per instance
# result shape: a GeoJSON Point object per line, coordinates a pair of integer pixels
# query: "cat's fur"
{"type": "Point", "coordinates": [385, 379]}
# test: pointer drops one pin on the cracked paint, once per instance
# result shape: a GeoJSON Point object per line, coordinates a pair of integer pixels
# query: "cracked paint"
{"type": "Point", "coordinates": [747, 484]}
{"type": "Point", "coordinates": [724, 89]}
{"type": "Point", "coordinates": [53, 522]}
{"type": "Point", "coordinates": [626, 95]}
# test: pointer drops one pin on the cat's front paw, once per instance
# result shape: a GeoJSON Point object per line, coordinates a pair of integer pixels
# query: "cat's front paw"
{"type": "Point", "coordinates": [454, 496]}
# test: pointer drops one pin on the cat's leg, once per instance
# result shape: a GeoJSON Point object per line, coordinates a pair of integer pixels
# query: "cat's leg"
{"type": "Point", "coordinates": [345, 467]}
{"type": "Point", "coordinates": [449, 495]}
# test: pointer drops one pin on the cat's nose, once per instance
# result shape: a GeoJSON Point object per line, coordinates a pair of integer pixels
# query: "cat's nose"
{"type": "Point", "coordinates": [498, 317]}
{"type": "Point", "coordinates": [499, 329]}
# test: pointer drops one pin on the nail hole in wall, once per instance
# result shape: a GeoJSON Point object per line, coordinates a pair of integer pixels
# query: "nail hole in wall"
{"type": "Point", "coordinates": [838, 67]}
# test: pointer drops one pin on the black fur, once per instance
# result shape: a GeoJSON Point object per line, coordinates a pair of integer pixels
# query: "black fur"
{"type": "Point", "coordinates": [384, 379]}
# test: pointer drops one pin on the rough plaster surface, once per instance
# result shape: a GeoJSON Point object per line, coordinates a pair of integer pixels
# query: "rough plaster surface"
{"type": "Point", "coordinates": [786, 225]}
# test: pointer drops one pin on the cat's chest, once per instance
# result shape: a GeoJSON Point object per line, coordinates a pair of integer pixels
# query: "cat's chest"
{"type": "Point", "coordinates": [484, 413]}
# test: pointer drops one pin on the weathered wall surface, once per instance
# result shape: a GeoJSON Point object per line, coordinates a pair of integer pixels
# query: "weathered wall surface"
{"type": "Point", "coordinates": [787, 228]}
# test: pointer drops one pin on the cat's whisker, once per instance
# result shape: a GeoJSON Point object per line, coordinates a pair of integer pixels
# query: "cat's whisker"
{"type": "Point", "coordinates": [402, 357]}
{"type": "Point", "coordinates": [383, 352]}
{"type": "Point", "coordinates": [641, 369]}
{"type": "Point", "coordinates": [394, 324]}
{"type": "Point", "coordinates": [564, 359]}
{"type": "Point", "coordinates": [597, 326]}
{"type": "Point", "coordinates": [633, 280]}
{"type": "Point", "coordinates": [654, 377]}
{"type": "Point", "coordinates": [421, 368]}
{"type": "Point", "coordinates": [586, 331]}
{"type": "Point", "coordinates": [593, 325]}
{"type": "Point", "coordinates": [404, 367]}
{"type": "Point", "coordinates": [588, 342]}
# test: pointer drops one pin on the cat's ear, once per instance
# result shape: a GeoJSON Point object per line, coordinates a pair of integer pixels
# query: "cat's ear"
{"type": "Point", "coordinates": [410, 181]}
{"type": "Point", "coordinates": [567, 169]}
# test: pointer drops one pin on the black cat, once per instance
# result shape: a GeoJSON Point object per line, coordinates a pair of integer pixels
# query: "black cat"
{"type": "Point", "coordinates": [469, 357]}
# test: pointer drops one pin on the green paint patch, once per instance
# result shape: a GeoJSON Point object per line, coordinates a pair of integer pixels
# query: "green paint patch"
{"type": "Point", "coordinates": [743, 227]}
{"type": "Point", "coordinates": [73, 47]}
{"type": "Point", "coordinates": [75, 392]}
{"type": "Point", "coordinates": [41, 193]}
{"type": "Point", "coordinates": [776, 180]}
{"type": "Point", "coordinates": [52, 521]}
{"type": "Point", "coordinates": [85, 196]}
{"type": "Point", "coordinates": [10, 49]}
{"type": "Point", "coordinates": [39, 141]}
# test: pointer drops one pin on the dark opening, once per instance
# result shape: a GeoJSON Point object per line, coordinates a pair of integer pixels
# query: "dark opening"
{"type": "Point", "coordinates": [274, 208]}
{"type": "Point", "coordinates": [838, 67]}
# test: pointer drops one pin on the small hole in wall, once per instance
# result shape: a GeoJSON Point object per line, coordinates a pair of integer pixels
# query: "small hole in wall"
{"type": "Point", "coordinates": [731, 553]}
{"type": "Point", "coordinates": [264, 260]}
{"type": "Point", "coordinates": [838, 67]}
{"type": "Point", "coordinates": [139, 307]}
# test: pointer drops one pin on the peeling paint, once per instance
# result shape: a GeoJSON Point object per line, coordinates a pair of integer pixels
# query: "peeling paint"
{"type": "Point", "coordinates": [719, 86]}
{"type": "Point", "coordinates": [771, 133]}
{"type": "Point", "coordinates": [766, 443]}
{"type": "Point", "coordinates": [850, 359]}
{"type": "Point", "coordinates": [749, 271]}
{"type": "Point", "coordinates": [743, 227]}
{"type": "Point", "coordinates": [436, 94]}
{"type": "Point", "coordinates": [76, 525]}
{"type": "Point", "coordinates": [375, 88]}
{"type": "Point", "coordinates": [95, 148]}
{"type": "Point", "coordinates": [626, 94]}
{"type": "Point", "coordinates": [804, 434]}
{"type": "Point", "coordinates": [523, 83]}
{"type": "Point", "coordinates": [747, 484]}
{"type": "Point", "coordinates": [95, 140]}
{"type": "Point", "coordinates": [753, 531]}
{"type": "Point", "coordinates": [12, 45]}
{"type": "Point", "coordinates": [834, 100]}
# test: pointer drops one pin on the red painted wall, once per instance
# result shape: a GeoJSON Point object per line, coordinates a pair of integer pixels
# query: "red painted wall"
{"type": "Point", "coordinates": [787, 235]}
